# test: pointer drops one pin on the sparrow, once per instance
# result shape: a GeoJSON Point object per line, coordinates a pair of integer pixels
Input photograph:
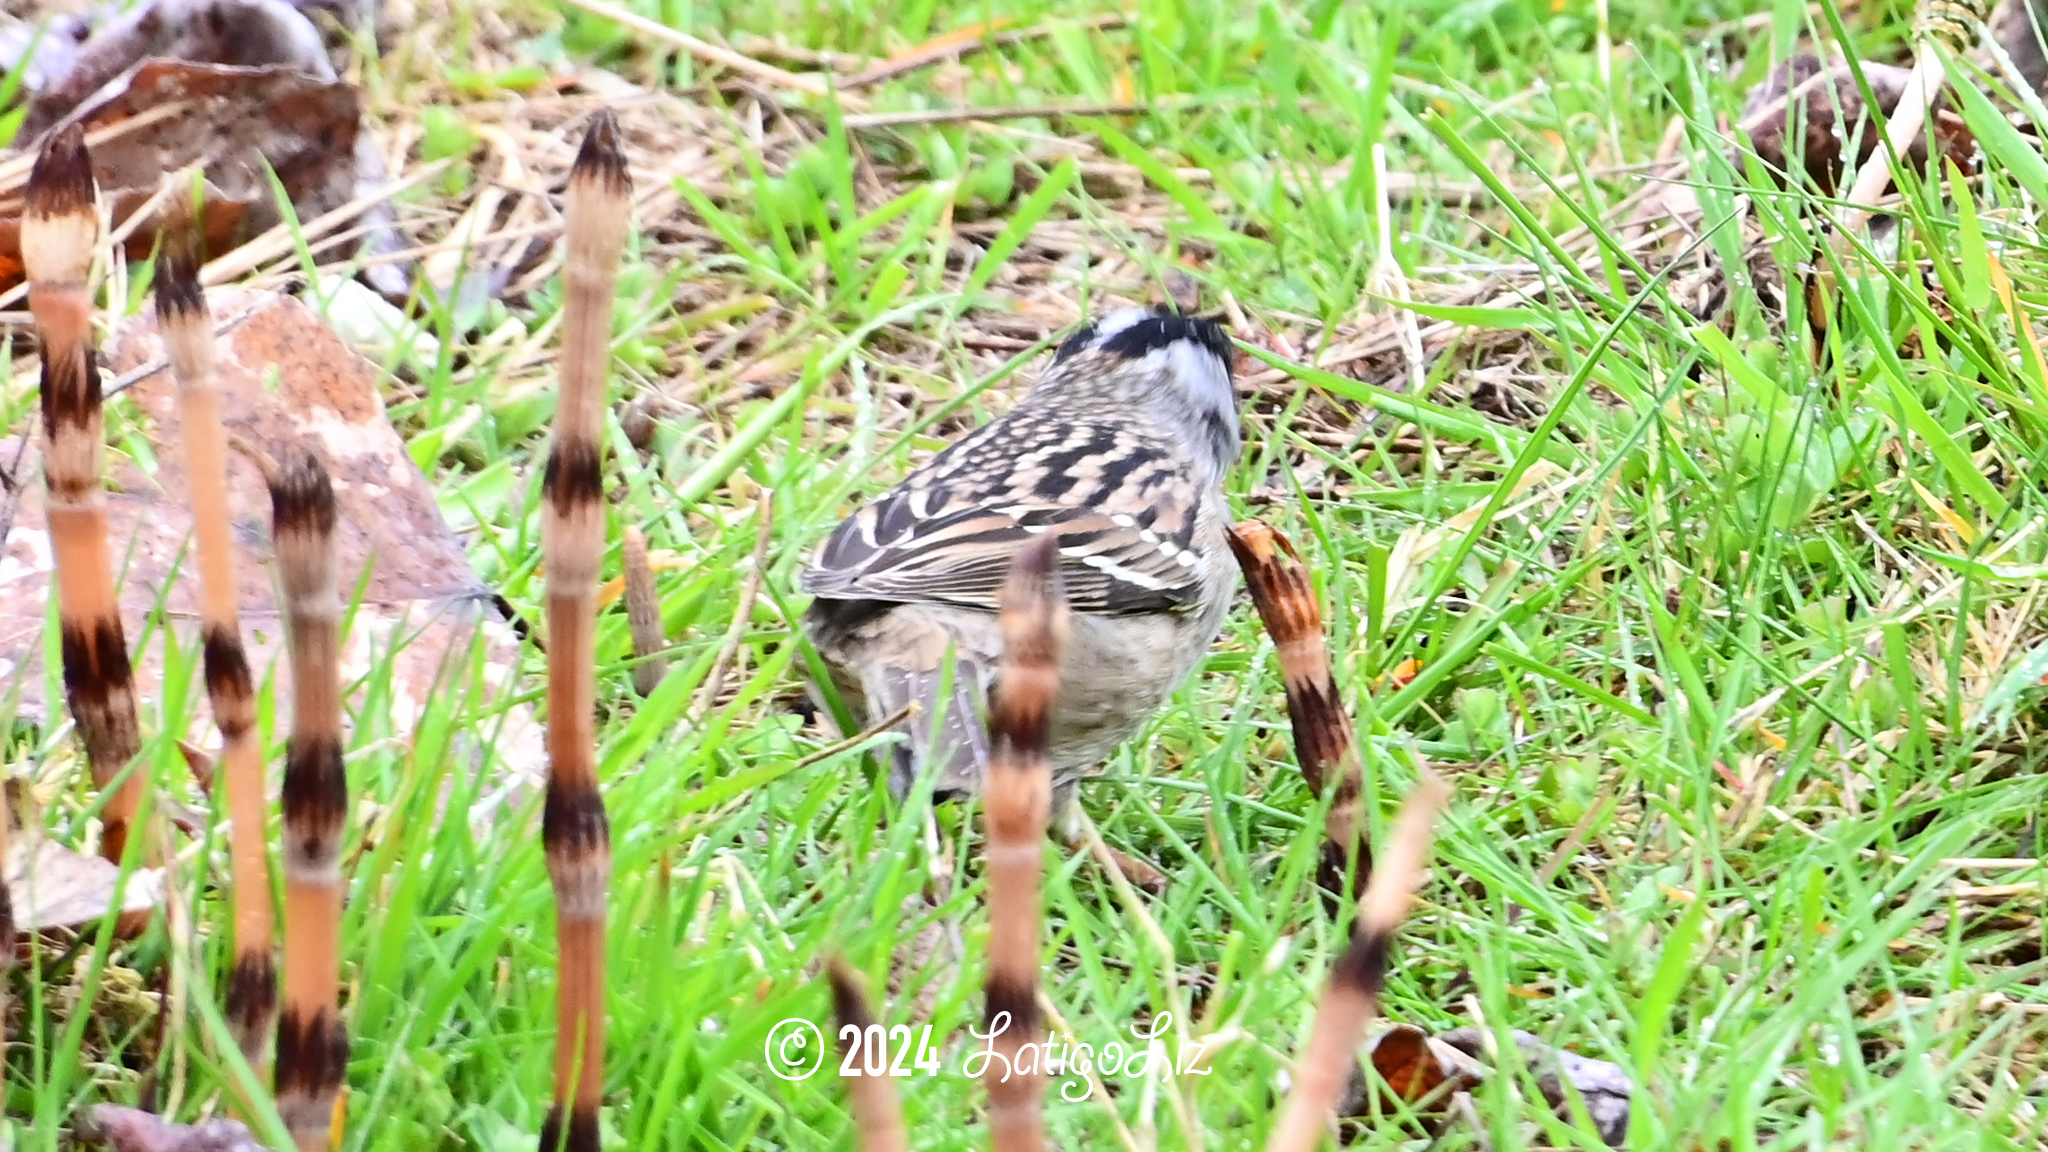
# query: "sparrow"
{"type": "Point", "coordinates": [1119, 451]}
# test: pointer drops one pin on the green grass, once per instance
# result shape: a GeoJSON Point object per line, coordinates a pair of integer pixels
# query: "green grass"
{"type": "Point", "coordinates": [1807, 561]}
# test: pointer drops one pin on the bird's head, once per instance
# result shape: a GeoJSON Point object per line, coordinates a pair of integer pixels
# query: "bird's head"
{"type": "Point", "coordinates": [1176, 364]}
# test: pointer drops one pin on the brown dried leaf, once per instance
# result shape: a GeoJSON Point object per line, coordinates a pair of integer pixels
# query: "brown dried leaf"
{"type": "Point", "coordinates": [53, 887]}
{"type": "Point", "coordinates": [236, 120]}
{"type": "Point", "coordinates": [1798, 102]}
{"type": "Point", "coordinates": [240, 122]}
{"type": "Point", "coordinates": [240, 33]}
{"type": "Point", "coordinates": [1418, 1069]}
{"type": "Point", "coordinates": [421, 596]}
{"type": "Point", "coordinates": [221, 222]}
{"type": "Point", "coordinates": [239, 87]}
{"type": "Point", "coordinates": [1403, 1059]}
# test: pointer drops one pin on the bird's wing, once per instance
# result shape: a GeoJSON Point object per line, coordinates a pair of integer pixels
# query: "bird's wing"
{"type": "Point", "coordinates": [1125, 513]}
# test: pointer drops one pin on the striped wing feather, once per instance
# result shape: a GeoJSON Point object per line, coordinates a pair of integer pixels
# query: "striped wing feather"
{"type": "Point", "coordinates": [961, 558]}
{"type": "Point", "coordinates": [1119, 498]}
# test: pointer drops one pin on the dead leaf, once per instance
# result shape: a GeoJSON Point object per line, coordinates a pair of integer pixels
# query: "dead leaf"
{"type": "Point", "coordinates": [1403, 1060]}
{"type": "Point", "coordinates": [1418, 1069]}
{"type": "Point", "coordinates": [1791, 118]}
{"type": "Point", "coordinates": [233, 86]}
{"type": "Point", "coordinates": [239, 33]}
{"type": "Point", "coordinates": [237, 121]}
{"type": "Point", "coordinates": [133, 1130]}
{"type": "Point", "coordinates": [284, 375]}
{"type": "Point", "coordinates": [242, 123]}
{"type": "Point", "coordinates": [53, 887]}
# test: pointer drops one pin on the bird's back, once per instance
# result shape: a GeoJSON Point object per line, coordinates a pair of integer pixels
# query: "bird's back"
{"type": "Point", "coordinates": [1118, 452]}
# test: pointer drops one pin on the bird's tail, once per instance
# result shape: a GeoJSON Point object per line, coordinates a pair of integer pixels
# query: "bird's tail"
{"type": "Point", "coordinates": [948, 740]}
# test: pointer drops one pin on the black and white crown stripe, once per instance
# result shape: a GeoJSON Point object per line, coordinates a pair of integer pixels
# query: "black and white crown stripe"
{"type": "Point", "coordinates": [1133, 333]}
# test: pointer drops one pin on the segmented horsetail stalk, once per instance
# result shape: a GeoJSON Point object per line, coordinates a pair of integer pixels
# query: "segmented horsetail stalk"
{"type": "Point", "coordinates": [877, 1113]}
{"type": "Point", "coordinates": [1352, 998]}
{"type": "Point", "coordinates": [312, 1044]}
{"type": "Point", "coordinates": [1324, 740]}
{"type": "Point", "coordinates": [643, 613]}
{"type": "Point", "coordinates": [1937, 25]}
{"type": "Point", "coordinates": [60, 227]}
{"type": "Point", "coordinates": [187, 328]}
{"type": "Point", "coordinates": [1017, 805]}
{"type": "Point", "coordinates": [574, 831]}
